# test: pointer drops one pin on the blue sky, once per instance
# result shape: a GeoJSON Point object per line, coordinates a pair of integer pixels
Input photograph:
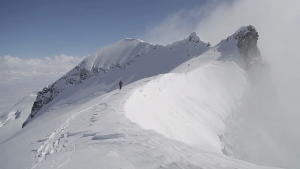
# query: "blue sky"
{"type": "Point", "coordinates": [40, 28]}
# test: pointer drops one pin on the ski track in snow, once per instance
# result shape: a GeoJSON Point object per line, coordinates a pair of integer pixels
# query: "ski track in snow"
{"type": "Point", "coordinates": [69, 156]}
{"type": "Point", "coordinates": [51, 145]}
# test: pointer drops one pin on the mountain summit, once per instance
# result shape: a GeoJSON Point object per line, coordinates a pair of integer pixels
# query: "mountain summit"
{"type": "Point", "coordinates": [194, 37]}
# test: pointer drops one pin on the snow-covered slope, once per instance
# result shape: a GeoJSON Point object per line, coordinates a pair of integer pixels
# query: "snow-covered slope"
{"type": "Point", "coordinates": [113, 63]}
{"type": "Point", "coordinates": [190, 107]}
{"type": "Point", "coordinates": [97, 134]}
{"type": "Point", "coordinates": [13, 119]}
{"type": "Point", "coordinates": [173, 111]}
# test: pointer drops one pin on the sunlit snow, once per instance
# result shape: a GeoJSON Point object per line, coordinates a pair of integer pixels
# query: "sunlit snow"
{"type": "Point", "coordinates": [171, 113]}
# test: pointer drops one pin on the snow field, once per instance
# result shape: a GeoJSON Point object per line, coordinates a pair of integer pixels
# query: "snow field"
{"type": "Point", "coordinates": [51, 145]}
{"type": "Point", "coordinates": [95, 132]}
{"type": "Point", "coordinates": [102, 137]}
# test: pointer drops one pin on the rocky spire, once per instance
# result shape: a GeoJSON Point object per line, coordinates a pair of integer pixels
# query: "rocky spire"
{"type": "Point", "coordinates": [194, 37]}
{"type": "Point", "coordinates": [247, 45]}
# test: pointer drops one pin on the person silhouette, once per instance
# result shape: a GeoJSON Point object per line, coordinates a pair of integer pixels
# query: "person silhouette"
{"type": "Point", "coordinates": [120, 84]}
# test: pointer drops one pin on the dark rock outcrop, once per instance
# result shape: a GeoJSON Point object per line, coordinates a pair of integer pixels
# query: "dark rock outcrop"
{"type": "Point", "coordinates": [247, 46]}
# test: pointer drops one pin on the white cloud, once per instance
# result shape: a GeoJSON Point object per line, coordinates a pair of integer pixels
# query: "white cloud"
{"type": "Point", "coordinates": [64, 59]}
{"type": "Point", "coordinates": [180, 24]}
{"type": "Point", "coordinates": [172, 28]}
{"type": "Point", "coordinates": [9, 59]}
{"type": "Point", "coordinates": [57, 64]}
{"type": "Point", "coordinates": [56, 59]}
{"type": "Point", "coordinates": [218, 19]}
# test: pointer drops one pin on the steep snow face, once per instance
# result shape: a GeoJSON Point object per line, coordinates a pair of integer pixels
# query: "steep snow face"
{"type": "Point", "coordinates": [190, 107]}
{"type": "Point", "coordinates": [111, 64]}
{"type": "Point", "coordinates": [119, 53]}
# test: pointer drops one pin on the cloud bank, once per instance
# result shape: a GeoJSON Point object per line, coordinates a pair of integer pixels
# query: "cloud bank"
{"type": "Point", "coordinates": [56, 59]}
{"type": "Point", "coordinates": [59, 64]}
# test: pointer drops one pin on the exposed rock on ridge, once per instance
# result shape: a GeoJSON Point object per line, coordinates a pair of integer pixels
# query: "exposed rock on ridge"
{"type": "Point", "coordinates": [246, 38]}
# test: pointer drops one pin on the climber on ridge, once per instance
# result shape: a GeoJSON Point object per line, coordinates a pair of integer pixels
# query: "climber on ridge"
{"type": "Point", "coordinates": [120, 84]}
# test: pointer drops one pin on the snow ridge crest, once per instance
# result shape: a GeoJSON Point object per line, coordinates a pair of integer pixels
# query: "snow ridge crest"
{"type": "Point", "coordinates": [119, 57]}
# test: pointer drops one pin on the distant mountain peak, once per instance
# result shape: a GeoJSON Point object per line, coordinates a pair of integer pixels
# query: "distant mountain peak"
{"type": "Point", "coordinates": [247, 46]}
{"type": "Point", "coordinates": [194, 37]}
{"type": "Point", "coordinates": [245, 35]}
{"type": "Point", "coordinates": [243, 41]}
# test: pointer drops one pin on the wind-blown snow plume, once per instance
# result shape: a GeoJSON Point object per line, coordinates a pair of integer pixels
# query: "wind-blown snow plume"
{"type": "Point", "coordinates": [256, 131]}
{"type": "Point", "coordinates": [278, 23]}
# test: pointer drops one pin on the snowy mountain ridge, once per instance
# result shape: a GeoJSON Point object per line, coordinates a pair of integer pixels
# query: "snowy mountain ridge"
{"type": "Point", "coordinates": [183, 105]}
{"type": "Point", "coordinates": [118, 57]}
